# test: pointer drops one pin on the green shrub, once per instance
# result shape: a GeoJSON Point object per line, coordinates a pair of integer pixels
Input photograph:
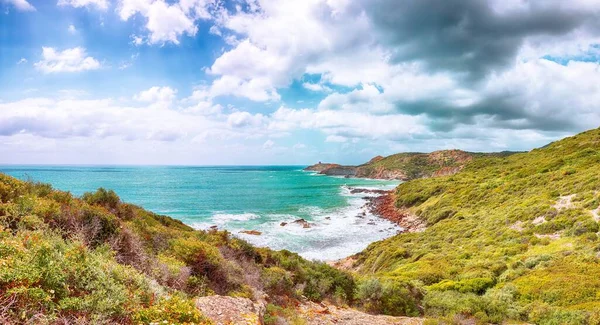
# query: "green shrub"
{"type": "Point", "coordinates": [477, 285]}
{"type": "Point", "coordinates": [390, 297]}
{"type": "Point", "coordinates": [277, 281]}
{"type": "Point", "coordinates": [171, 310]}
{"type": "Point", "coordinates": [105, 198]}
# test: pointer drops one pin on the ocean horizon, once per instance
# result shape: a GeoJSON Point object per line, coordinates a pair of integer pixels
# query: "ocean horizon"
{"type": "Point", "coordinates": [238, 198]}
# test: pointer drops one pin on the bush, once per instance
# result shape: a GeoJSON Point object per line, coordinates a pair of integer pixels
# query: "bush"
{"type": "Point", "coordinates": [277, 281]}
{"type": "Point", "coordinates": [390, 297]}
{"type": "Point", "coordinates": [476, 285]}
{"type": "Point", "coordinates": [171, 310]}
{"type": "Point", "coordinates": [108, 199]}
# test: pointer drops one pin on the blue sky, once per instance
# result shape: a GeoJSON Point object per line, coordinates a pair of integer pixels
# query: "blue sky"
{"type": "Point", "coordinates": [289, 82]}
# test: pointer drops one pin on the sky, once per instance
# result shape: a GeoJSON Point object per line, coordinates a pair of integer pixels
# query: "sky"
{"type": "Point", "coordinates": [245, 82]}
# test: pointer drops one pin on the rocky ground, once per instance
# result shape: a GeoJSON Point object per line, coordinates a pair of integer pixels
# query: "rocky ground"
{"type": "Point", "coordinates": [243, 311]}
{"type": "Point", "coordinates": [384, 207]}
{"type": "Point", "coordinates": [324, 314]}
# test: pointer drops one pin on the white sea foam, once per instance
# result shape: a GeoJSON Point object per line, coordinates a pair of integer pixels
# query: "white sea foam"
{"type": "Point", "coordinates": [333, 234]}
{"type": "Point", "coordinates": [221, 218]}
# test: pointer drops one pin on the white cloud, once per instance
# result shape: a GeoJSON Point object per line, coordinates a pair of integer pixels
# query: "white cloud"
{"type": "Point", "coordinates": [316, 87]}
{"type": "Point", "coordinates": [49, 118]}
{"type": "Point", "coordinates": [245, 119]}
{"type": "Point", "coordinates": [22, 5]}
{"type": "Point", "coordinates": [100, 4]}
{"type": "Point", "coordinates": [166, 22]}
{"type": "Point", "coordinates": [256, 89]}
{"type": "Point", "coordinates": [548, 95]}
{"type": "Point", "coordinates": [349, 124]}
{"type": "Point", "coordinates": [22, 61]}
{"type": "Point", "coordinates": [69, 60]}
{"type": "Point", "coordinates": [281, 42]}
{"type": "Point", "coordinates": [128, 63]}
{"type": "Point", "coordinates": [72, 29]}
{"type": "Point", "coordinates": [268, 144]}
{"type": "Point", "coordinates": [137, 40]}
{"type": "Point", "coordinates": [336, 138]}
{"type": "Point", "coordinates": [156, 94]}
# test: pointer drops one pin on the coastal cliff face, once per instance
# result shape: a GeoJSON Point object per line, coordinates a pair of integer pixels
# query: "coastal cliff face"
{"type": "Point", "coordinates": [402, 166]}
{"type": "Point", "coordinates": [319, 167]}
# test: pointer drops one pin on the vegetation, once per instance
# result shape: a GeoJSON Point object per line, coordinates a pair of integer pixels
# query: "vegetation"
{"type": "Point", "coordinates": [508, 238]}
{"type": "Point", "coordinates": [99, 260]}
{"type": "Point", "coordinates": [407, 166]}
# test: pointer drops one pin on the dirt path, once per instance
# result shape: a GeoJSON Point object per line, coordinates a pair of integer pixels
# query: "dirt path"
{"type": "Point", "coordinates": [321, 314]}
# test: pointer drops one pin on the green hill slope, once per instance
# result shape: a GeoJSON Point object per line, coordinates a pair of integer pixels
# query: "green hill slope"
{"type": "Point", "coordinates": [98, 260]}
{"type": "Point", "coordinates": [508, 238]}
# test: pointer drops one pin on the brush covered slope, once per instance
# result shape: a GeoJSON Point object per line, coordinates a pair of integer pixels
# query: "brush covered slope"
{"type": "Point", "coordinates": [508, 239]}
{"type": "Point", "coordinates": [95, 259]}
{"type": "Point", "coordinates": [406, 166]}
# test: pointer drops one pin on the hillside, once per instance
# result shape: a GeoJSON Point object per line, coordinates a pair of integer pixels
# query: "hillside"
{"type": "Point", "coordinates": [96, 259]}
{"type": "Point", "coordinates": [507, 238]}
{"type": "Point", "coordinates": [405, 166]}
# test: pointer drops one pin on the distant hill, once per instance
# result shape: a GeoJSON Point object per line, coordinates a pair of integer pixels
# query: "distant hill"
{"type": "Point", "coordinates": [406, 166]}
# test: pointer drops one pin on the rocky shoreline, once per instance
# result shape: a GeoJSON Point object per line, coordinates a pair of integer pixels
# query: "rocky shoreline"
{"type": "Point", "coordinates": [384, 207]}
{"type": "Point", "coordinates": [381, 203]}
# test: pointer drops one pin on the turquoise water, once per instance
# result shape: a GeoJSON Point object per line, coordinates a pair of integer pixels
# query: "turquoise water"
{"type": "Point", "coordinates": [239, 198]}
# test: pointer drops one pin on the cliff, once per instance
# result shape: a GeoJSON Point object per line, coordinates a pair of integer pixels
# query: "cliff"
{"type": "Point", "coordinates": [319, 167]}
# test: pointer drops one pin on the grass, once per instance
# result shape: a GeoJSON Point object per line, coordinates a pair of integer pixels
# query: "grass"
{"type": "Point", "coordinates": [483, 257]}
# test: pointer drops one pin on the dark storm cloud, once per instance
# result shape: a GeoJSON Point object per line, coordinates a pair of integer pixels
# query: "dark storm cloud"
{"type": "Point", "coordinates": [467, 36]}
{"type": "Point", "coordinates": [503, 112]}
{"type": "Point", "coordinates": [471, 40]}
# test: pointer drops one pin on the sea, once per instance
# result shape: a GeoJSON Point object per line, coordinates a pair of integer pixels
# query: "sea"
{"type": "Point", "coordinates": [238, 198]}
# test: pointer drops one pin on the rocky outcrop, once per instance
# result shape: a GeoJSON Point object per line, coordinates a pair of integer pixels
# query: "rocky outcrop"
{"type": "Point", "coordinates": [381, 173]}
{"type": "Point", "coordinates": [447, 171]}
{"type": "Point", "coordinates": [384, 206]}
{"type": "Point", "coordinates": [223, 310]}
{"type": "Point", "coordinates": [375, 159]}
{"type": "Point", "coordinates": [346, 171]}
{"type": "Point", "coordinates": [367, 191]}
{"type": "Point", "coordinates": [304, 223]}
{"type": "Point", "coordinates": [319, 167]}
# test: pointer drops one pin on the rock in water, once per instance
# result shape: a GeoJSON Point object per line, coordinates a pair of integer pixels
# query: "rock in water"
{"type": "Point", "coordinates": [230, 310]}
{"type": "Point", "coordinates": [251, 232]}
{"type": "Point", "coordinates": [304, 223]}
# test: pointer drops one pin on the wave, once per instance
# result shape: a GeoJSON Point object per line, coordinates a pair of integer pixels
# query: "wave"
{"type": "Point", "coordinates": [227, 217]}
{"type": "Point", "coordinates": [332, 234]}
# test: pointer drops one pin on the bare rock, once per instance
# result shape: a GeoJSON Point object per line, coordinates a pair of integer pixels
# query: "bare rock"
{"type": "Point", "coordinates": [251, 232]}
{"type": "Point", "coordinates": [304, 223]}
{"type": "Point", "coordinates": [224, 310]}
{"type": "Point", "coordinates": [324, 314]}
{"type": "Point", "coordinates": [283, 224]}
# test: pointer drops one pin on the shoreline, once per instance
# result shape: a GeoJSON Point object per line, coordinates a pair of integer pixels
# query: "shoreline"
{"type": "Point", "coordinates": [383, 206]}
